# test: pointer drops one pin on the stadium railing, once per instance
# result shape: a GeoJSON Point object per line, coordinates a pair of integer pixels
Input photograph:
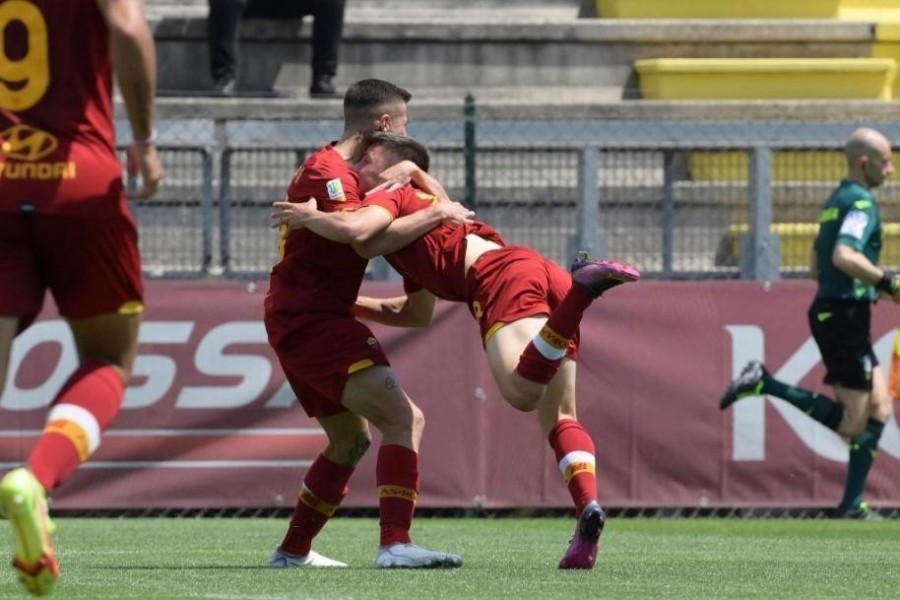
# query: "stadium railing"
{"type": "Point", "coordinates": [683, 200]}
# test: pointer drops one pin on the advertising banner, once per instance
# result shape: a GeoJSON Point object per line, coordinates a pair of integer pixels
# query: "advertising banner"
{"type": "Point", "coordinates": [208, 420]}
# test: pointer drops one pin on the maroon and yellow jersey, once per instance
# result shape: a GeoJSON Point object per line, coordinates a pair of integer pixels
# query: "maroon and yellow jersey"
{"type": "Point", "coordinates": [57, 141]}
{"type": "Point", "coordinates": [315, 274]}
{"type": "Point", "coordinates": [435, 261]}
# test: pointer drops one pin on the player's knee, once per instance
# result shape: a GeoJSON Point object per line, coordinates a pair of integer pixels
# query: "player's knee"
{"type": "Point", "coordinates": [360, 445]}
{"type": "Point", "coordinates": [881, 410]}
{"type": "Point", "coordinates": [417, 418]}
{"type": "Point", "coordinates": [348, 451]}
{"type": "Point", "coordinates": [852, 425]}
{"type": "Point", "coordinates": [523, 402]}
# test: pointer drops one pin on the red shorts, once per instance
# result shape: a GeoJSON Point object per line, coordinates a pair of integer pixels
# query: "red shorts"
{"type": "Point", "coordinates": [318, 355]}
{"type": "Point", "coordinates": [512, 283]}
{"type": "Point", "coordinates": [89, 263]}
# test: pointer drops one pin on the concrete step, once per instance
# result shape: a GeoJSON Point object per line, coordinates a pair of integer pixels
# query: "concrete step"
{"type": "Point", "coordinates": [522, 103]}
{"type": "Point", "coordinates": [493, 49]}
{"type": "Point", "coordinates": [377, 10]}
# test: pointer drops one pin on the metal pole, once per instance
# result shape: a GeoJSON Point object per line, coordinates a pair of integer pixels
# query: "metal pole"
{"type": "Point", "coordinates": [589, 237]}
{"type": "Point", "coordinates": [469, 149]}
{"type": "Point", "coordinates": [668, 213]}
{"type": "Point", "coordinates": [206, 208]}
{"type": "Point", "coordinates": [760, 249]}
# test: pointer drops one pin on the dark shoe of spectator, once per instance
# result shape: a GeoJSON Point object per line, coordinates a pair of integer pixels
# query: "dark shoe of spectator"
{"type": "Point", "coordinates": [225, 86]}
{"type": "Point", "coordinates": [323, 87]}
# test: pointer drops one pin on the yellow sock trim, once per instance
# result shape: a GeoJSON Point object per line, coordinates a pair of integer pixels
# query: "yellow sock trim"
{"type": "Point", "coordinates": [396, 491]}
{"type": "Point", "coordinates": [577, 469]}
{"type": "Point", "coordinates": [74, 433]}
{"type": "Point", "coordinates": [314, 502]}
{"type": "Point", "coordinates": [554, 339]}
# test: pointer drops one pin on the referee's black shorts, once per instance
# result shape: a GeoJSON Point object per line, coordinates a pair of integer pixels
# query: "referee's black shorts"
{"type": "Point", "coordinates": [842, 330]}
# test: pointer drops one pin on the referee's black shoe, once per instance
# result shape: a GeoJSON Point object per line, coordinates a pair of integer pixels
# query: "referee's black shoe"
{"type": "Point", "coordinates": [748, 383]}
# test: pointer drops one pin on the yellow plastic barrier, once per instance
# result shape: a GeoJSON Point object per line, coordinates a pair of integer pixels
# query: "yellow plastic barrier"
{"type": "Point", "coordinates": [876, 11]}
{"type": "Point", "coordinates": [796, 243]}
{"type": "Point", "coordinates": [766, 78]}
{"type": "Point", "coordinates": [718, 9]}
{"type": "Point", "coordinates": [786, 166]}
{"type": "Point", "coordinates": [887, 45]}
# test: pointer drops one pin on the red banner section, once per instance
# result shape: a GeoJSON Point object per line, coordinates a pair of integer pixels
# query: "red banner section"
{"type": "Point", "coordinates": [209, 422]}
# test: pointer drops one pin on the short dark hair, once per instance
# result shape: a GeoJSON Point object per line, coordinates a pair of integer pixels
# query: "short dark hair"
{"type": "Point", "coordinates": [400, 147]}
{"type": "Point", "coordinates": [367, 99]}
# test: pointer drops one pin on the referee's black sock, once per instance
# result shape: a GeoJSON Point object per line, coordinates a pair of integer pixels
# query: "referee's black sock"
{"type": "Point", "coordinates": [821, 408]}
{"type": "Point", "coordinates": [863, 449]}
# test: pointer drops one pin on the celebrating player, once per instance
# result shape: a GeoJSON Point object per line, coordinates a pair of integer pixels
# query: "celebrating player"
{"type": "Point", "coordinates": [528, 308]}
{"type": "Point", "coordinates": [334, 364]}
{"type": "Point", "coordinates": [65, 226]}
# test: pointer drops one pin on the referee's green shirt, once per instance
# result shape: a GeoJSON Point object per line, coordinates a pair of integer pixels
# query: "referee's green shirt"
{"type": "Point", "coordinates": [849, 217]}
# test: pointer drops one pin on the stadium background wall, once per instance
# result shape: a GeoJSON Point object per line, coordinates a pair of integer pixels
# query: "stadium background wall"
{"type": "Point", "coordinates": [208, 421]}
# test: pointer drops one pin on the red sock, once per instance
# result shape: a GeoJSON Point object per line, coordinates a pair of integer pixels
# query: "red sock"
{"type": "Point", "coordinates": [574, 451]}
{"type": "Point", "coordinates": [81, 411]}
{"type": "Point", "coordinates": [324, 486]}
{"type": "Point", "coordinates": [397, 477]}
{"type": "Point", "coordinates": [541, 358]}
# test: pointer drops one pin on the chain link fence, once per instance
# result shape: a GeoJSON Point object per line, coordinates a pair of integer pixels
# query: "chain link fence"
{"type": "Point", "coordinates": [680, 199]}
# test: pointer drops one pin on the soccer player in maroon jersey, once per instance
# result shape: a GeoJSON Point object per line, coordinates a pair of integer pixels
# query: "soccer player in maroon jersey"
{"type": "Point", "coordinates": [65, 226]}
{"type": "Point", "coordinates": [527, 307]}
{"type": "Point", "coordinates": [333, 363]}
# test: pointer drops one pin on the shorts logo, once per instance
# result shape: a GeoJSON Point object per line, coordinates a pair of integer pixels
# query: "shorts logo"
{"type": "Point", "coordinates": [335, 190]}
{"type": "Point", "coordinates": [477, 310]}
{"type": "Point", "coordinates": [372, 342]}
{"type": "Point", "coordinates": [22, 142]}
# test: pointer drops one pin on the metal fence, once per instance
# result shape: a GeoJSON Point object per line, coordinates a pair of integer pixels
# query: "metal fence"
{"type": "Point", "coordinates": [679, 199]}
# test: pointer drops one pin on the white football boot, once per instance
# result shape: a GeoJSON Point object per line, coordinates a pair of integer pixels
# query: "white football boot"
{"type": "Point", "coordinates": [410, 556]}
{"type": "Point", "coordinates": [313, 560]}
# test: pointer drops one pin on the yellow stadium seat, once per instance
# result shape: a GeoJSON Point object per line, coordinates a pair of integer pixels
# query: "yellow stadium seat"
{"type": "Point", "coordinates": [876, 11]}
{"type": "Point", "coordinates": [787, 166]}
{"type": "Point", "coordinates": [887, 45]}
{"type": "Point", "coordinates": [718, 9]}
{"type": "Point", "coordinates": [766, 78]}
{"type": "Point", "coordinates": [796, 244]}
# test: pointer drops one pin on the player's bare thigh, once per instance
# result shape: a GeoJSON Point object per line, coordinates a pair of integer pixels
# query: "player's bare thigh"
{"type": "Point", "coordinates": [111, 338]}
{"type": "Point", "coordinates": [8, 327]}
{"type": "Point", "coordinates": [503, 350]}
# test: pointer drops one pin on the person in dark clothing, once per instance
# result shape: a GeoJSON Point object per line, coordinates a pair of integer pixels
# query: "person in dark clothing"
{"type": "Point", "coordinates": [224, 21]}
{"type": "Point", "coordinates": [844, 262]}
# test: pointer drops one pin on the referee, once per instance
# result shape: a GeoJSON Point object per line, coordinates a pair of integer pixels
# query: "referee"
{"type": "Point", "coordinates": [844, 262]}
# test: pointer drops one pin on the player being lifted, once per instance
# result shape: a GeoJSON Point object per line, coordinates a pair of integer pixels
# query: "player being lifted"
{"type": "Point", "coordinates": [528, 308]}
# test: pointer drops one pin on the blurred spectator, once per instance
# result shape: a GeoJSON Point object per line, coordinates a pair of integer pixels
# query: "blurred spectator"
{"type": "Point", "coordinates": [224, 25]}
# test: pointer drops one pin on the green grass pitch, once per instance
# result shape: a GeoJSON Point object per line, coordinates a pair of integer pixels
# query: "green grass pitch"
{"type": "Point", "coordinates": [224, 559]}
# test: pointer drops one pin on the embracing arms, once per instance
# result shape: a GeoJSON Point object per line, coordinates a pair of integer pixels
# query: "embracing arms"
{"type": "Point", "coordinates": [413, 310]}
